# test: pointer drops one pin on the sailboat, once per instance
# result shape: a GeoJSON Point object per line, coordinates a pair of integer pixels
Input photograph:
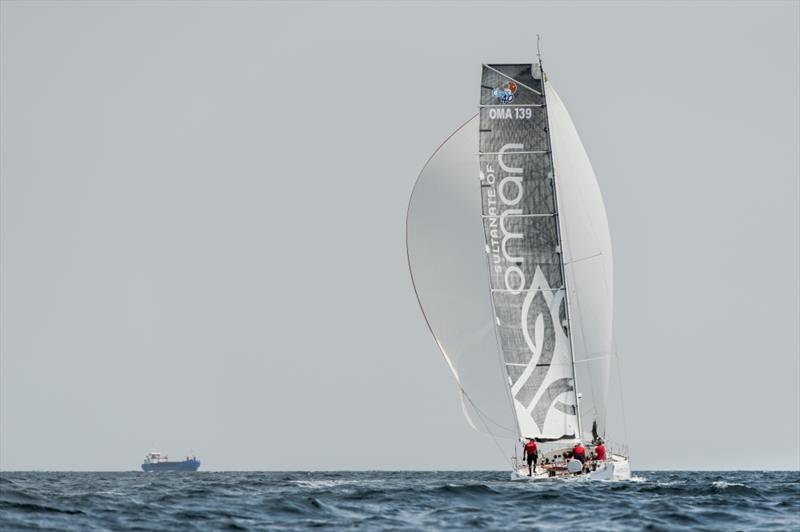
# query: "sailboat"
{"type": "Point", "coordinates": [510, 256]}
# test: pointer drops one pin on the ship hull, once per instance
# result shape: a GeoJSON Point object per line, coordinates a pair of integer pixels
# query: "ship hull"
{"type": "Point", "coordinates": [616, 469]}
{"type": "Point", "coordinates": [186, 465]}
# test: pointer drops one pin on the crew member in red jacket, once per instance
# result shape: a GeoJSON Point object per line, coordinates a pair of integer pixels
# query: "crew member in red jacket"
{"type": "Point", "coordinates": [579, 452]}
{"type": "Point", "coordinates": [531, 454]}
{"type": "Point", "coordinates": [600, 451]}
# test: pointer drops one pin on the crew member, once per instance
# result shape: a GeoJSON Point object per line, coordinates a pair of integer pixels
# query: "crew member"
{"type": "Point", "coordinates": [600, 451]}
{"type": "Point", "coordinates": [531, 454]}
{"type": "Point", "coordinates": [579, 452]}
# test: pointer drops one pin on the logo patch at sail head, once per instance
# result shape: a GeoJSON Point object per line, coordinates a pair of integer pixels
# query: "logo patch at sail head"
{"type": "Point", "coordinates": [505, 93]}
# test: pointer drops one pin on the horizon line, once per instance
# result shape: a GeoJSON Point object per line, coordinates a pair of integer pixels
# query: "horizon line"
{"type": "Point", "coordinates": [372, 470]}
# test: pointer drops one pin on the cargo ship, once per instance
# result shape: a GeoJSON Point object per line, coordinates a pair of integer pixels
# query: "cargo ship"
{"type": "Point", "coordinates": [160, 462]}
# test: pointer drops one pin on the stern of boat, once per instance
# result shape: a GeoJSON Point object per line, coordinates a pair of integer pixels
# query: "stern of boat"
{"type": "Point", "coordinates": [615, 469]}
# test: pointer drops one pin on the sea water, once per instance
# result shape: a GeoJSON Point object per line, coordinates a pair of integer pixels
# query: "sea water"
{"type": "Point", "coordinates": [397, 500]}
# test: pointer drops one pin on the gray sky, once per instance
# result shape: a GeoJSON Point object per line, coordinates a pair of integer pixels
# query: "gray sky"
{"type": "Point", "coordinates": [203, 226]}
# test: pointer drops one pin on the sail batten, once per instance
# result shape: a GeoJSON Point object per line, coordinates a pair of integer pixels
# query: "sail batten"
{"type": "Point", "coordinates": [532, 289]}
{"type": "Point", "coordinates": [512, 105]}
{"type": "Point", "coordinates": [544, 214]}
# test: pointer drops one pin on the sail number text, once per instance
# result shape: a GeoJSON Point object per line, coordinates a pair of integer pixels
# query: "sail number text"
{"type": "Point", "coordinates": [510, 112]}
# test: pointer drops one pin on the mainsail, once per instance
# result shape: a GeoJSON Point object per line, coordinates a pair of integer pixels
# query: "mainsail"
{"type": "Point", "coordinates": [531, 326]}
{"type": "Point", "coordinates": [523, 243]}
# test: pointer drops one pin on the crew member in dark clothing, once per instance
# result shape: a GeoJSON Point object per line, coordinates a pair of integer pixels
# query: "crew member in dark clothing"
{"type": "Point", "coordinates": [579, 452]}
{"type": "Point", "coordinates": [531, 454]}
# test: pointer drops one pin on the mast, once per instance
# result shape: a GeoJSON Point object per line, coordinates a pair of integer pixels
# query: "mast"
{"type": "Point", "coordinates": [560, 246]}
{"type": "Point", "coordinates": [539, 55]}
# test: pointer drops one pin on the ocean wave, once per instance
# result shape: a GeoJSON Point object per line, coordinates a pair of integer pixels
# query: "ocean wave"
{"type": "Point", "coordinates": [466, 489]}
{"type": "Point", "coordinates": [324, 483]}
{"type": "Point", "coordinates": [721, 484]}
{"type": "Point", "coordinates": [27, 507]}
{"type": "Point", "coordinates": [397, 500]}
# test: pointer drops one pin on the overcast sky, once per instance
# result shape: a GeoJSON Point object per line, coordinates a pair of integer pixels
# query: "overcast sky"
{"type": "Point", "coordinates": [203, 210]}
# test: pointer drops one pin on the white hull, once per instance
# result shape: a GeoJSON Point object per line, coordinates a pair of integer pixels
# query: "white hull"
{"type": "Point", "coordinates": [616, 469]}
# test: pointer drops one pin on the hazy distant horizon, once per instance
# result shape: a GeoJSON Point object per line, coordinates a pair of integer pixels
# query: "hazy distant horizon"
{"type": "Point", "coordinates": [500, 470]}
{"type": "Point", "coordinates": [203, 211]}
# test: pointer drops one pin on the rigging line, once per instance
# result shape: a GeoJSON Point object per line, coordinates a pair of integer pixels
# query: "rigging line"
{"type": "Point", "coordinates": [621, 396]}
{"type": "Point", "coordinates": [482, 413]}
{"type": "Point", "coordinates": [542, 215]}
{"type": "Point", "coordinates": [512, 79]}
{"type": "Point", "coordinates": [583, 336]}
{"type": "Point", "coordinates": [481, 417]}
{"type": "Point", "coordinates": [573, 261]}
{"type": "Point", "coordinates": [619, 364]}
{"type": "Point", "coordinates": [609, 355]}
{"type": "Point", "coordinates": [614, 355]}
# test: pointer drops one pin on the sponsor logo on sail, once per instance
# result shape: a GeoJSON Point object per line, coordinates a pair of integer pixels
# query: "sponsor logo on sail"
{"type": "Point", "coordinates": [505, 93]}
{"type": "Point", "coordinates": [543, 390]}
{"type": "Point", "coordinates": [509, 191]}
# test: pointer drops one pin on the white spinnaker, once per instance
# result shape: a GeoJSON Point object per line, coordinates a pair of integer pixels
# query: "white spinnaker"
{"type": "Point", "coordinates": [447, 260]}
{"type": "Point", "coordinates": [588, 263]}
